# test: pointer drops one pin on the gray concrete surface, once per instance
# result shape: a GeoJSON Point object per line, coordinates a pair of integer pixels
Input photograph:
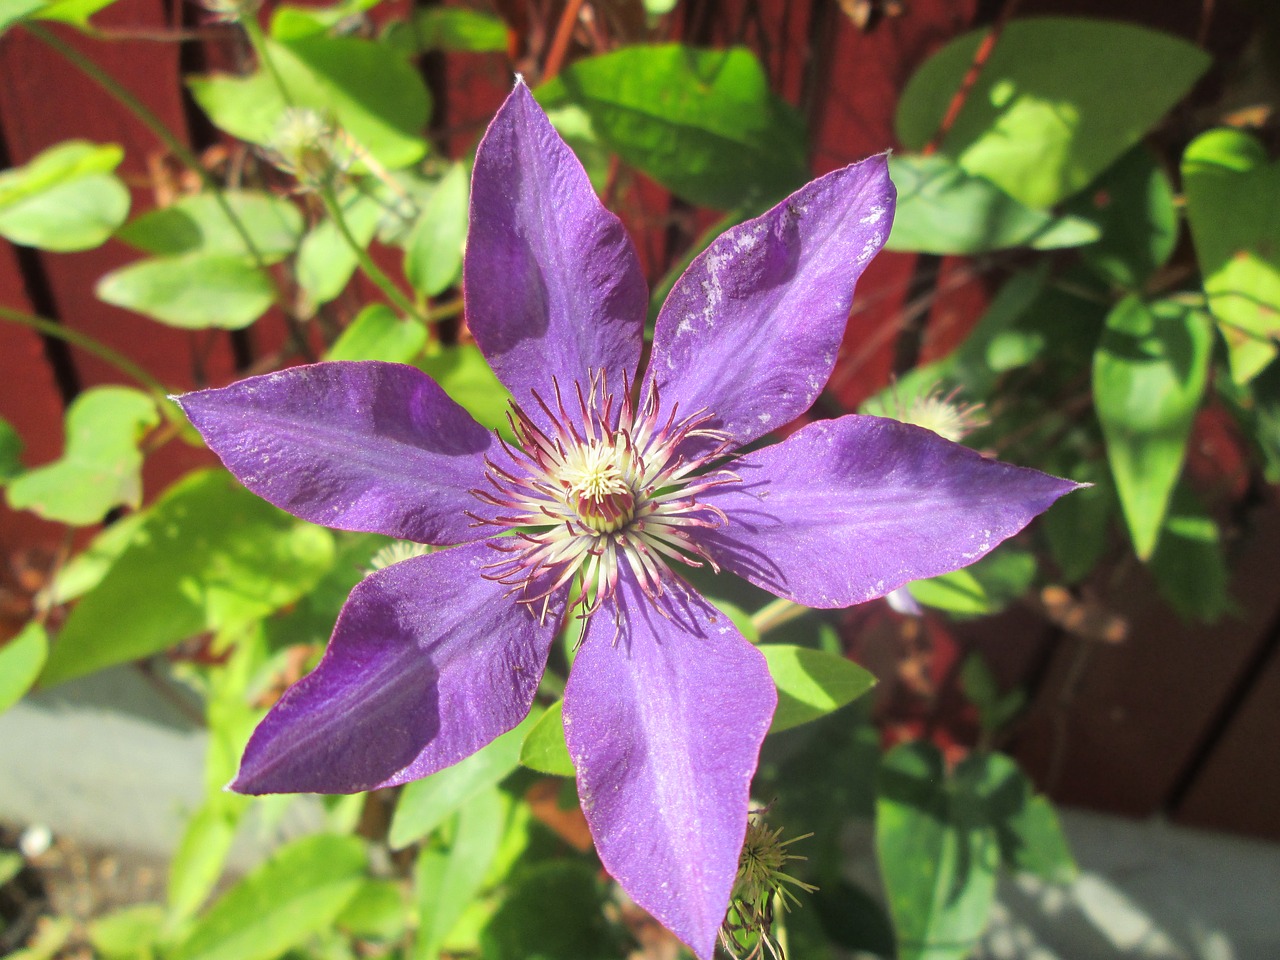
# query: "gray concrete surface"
{"type": "Point", "coordinates": [109, 761]}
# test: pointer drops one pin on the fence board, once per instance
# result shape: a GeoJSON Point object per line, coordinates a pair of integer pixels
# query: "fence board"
{"type": "Point", "coordinates": [1116, 725]}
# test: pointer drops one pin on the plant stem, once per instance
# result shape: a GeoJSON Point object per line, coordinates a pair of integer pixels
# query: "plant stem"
{"type": "Point", "coordinates": [152, 123]}
{"type": "Point", "coordinates": [367, 266]}
{"type": "Point", "coordinates": [258, 41]}
{"type": "Point", "coordinates": [87, 343]}
{"type": "Point", "coordinates": [775, 614]}
{"type": "Point", "coordinates": [183, 153]}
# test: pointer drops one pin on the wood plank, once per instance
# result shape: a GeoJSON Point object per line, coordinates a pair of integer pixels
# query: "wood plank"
{"type": "Point", "coordinates": [1115, 726]}
{"type": "Point", "coordinates": [1237, 787]}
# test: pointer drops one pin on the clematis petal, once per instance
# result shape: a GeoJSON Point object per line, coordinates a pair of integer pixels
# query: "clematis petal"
{"type": "Point", "coordinates": [847, 510]}
{"type": "Point", "coordinates": [354, 445]}
{"type": "Point", "coordinates": [750, 331]}
{"type": "Point", "coordinates": [428, 663]}
{"type": "Point", "coordinates": [552, 283]}
{"type": "Point", "coordinates": [664, 716]}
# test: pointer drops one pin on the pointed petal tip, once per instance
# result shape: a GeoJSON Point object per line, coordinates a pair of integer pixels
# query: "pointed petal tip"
{"type": "Point", "coordinates": [691, 760]}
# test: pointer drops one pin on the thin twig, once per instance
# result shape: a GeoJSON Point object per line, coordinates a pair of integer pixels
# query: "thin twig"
{"type": "Point", "coordinates": [560, 43]}
{"type": "Point", "coordinates": [367, 265]}
{"type": "Point", "coordinates": [980, 58]}
{"type": "Point", "coordinates": [89, 344]}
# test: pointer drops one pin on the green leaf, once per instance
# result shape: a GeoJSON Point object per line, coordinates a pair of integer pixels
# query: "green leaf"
{"type": "Point", "coordinates": [74, 12]}
{"type": "Point", "coordinates": [1149, 374]}
{"type": "Point", "coordinates": [450, 28]}
{"type": "Point", "coordinates": [445, 882]}
{"type": "Point", "coordinates": [288, 22]}
{"type": "Point", "coordinates": [192, 292]}
{"type": "Point", "coordinates": [67, 198]}
{"type": "Point", "coordinates": [127, 932]}
{"type": "Point", "coordinates": [199, 224]}
{"type": "Point", "coordinates": [1132, 202]}
{"type": "Point", "coordinates": [47, 941]}
{"type": "Point", "coordinates": [208, 556]}
{"type": "Point", "coordinates": [86, 569]}
{"type": "Point", "coordinates": [982, 588]}
{"type": "Point", "coordinates": [938, 856]}
{"type": "Point", "coordinates": [101, 465]}
{"type": "Point", "coordinates": [427, 803]}
{"type": "Point", "coordinates": [703, 123]}
{"type": "Point", "coordinates": [544, 749]}
{"type": "Point", "coordinates": [811, 683]}
{"type": "Point", "coordinates": [741, 619]}
{"type": "Point", "coordinates": [377, 912]}
{"type": "Point", "coordinates": [574, 125]}
{"type": "Point", "coordinates": [15, 11]}
{"type": "Point", "coordinates": [12, 863]}
{"type": "Point", "coordinates": [299, 891]}
{"type": "Point", "coordinates": [1189, 565]}
{"type": "Point", "coordinates": [466, 376]}
{"type": "Point", "coordinates": [433, 259]}
{"type": "Point", "coordinates": [368, 89]}
{"type": "Point", "coordinates": [1233, 205]}
{"type": "Point", "coordinates": [10, 452]}
{"type": "Point", "coordinates": [1025, 824]}
{"type": "Point", "coordinates": [944, 210]}
{"type": "Point", "coordinates": [21, 660]}
{"type": "Point", "coordinates": [554, 912]}
{"type": "Point", "coordinates": [1263, 419]}
{"type": "Point", "coordinates": [995, 709]}
{"type": "Point", "coordinates": [378, 334]}
{"type": "Point", "coordinates": [1076, 526]}
{"type": "Point", "coordinates": [1056, 103]}
{"type": "Point", "coordinates": [326, 261]}
{"type": "Point", "coordinates": [197, 864]}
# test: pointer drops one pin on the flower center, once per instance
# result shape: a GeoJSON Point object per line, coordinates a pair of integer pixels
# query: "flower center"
{"type": "Point", "coordinates": [597, 485]}
{"type": "Point", "coordinates": [600, 490]}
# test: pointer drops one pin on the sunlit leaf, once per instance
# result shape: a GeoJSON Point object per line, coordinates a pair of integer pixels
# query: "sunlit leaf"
{"type": "Point", "coordinates": [1233, 205]}
{"type": "Point", "coordinates": [450, 28]}
{"type": "Point", "coordinates": [207, 556]}
{"type": "Point", "coordinates": [378, 911]}
{"type": "Point", "coordinates": [938, 854]}
{"type": "Point", "coordinates": [811, 683]}
{"type": "Point", "coordinates": [433, 259]}
{"type": "Point", "coordinates": [101, 465]}
{"type": "Point", "coordinates": [67, 198]}
{"type": "Point", "coordinates": [944, 210]}
{"type": "Point", "coordinates": [73, 12]}
{"type": "Point", "coordinates": [544, 749]}
{"type": "Point", "coordinates": [199, 224]}
{"type": "Point", "coordinates": [369, 90]}
{"type": "Point", "coordinates": [128, 932]}
{"type": "Point", "coordinates": [446, 880]}
{"type": "Point", "coordinates": [1149, 374]}
{"type": "Point", "coordinates": [192, 292]}
{"type": "Point", "coordinates": [428, 802]}
{"type": "Point", "coordinates": [300, 890]}
{"type": "Point", "coordinates": [21, 660]}
{"type": "Point", "coordinates": [703, 123]}
{"type": "Point", "coordinates": [377, 333]}
{"type": "Point", "coordinates": [467, 377]}
{"type": "Point", "coordinates": [326, 261]}
{"type": "Point", "coordinates": [1057, 101]}
{"type": "Point", "coordinates": [985, 587]}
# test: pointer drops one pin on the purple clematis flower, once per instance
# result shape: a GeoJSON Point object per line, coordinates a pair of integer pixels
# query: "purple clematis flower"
{"type": "Point", "coordinates": [595, 501]}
